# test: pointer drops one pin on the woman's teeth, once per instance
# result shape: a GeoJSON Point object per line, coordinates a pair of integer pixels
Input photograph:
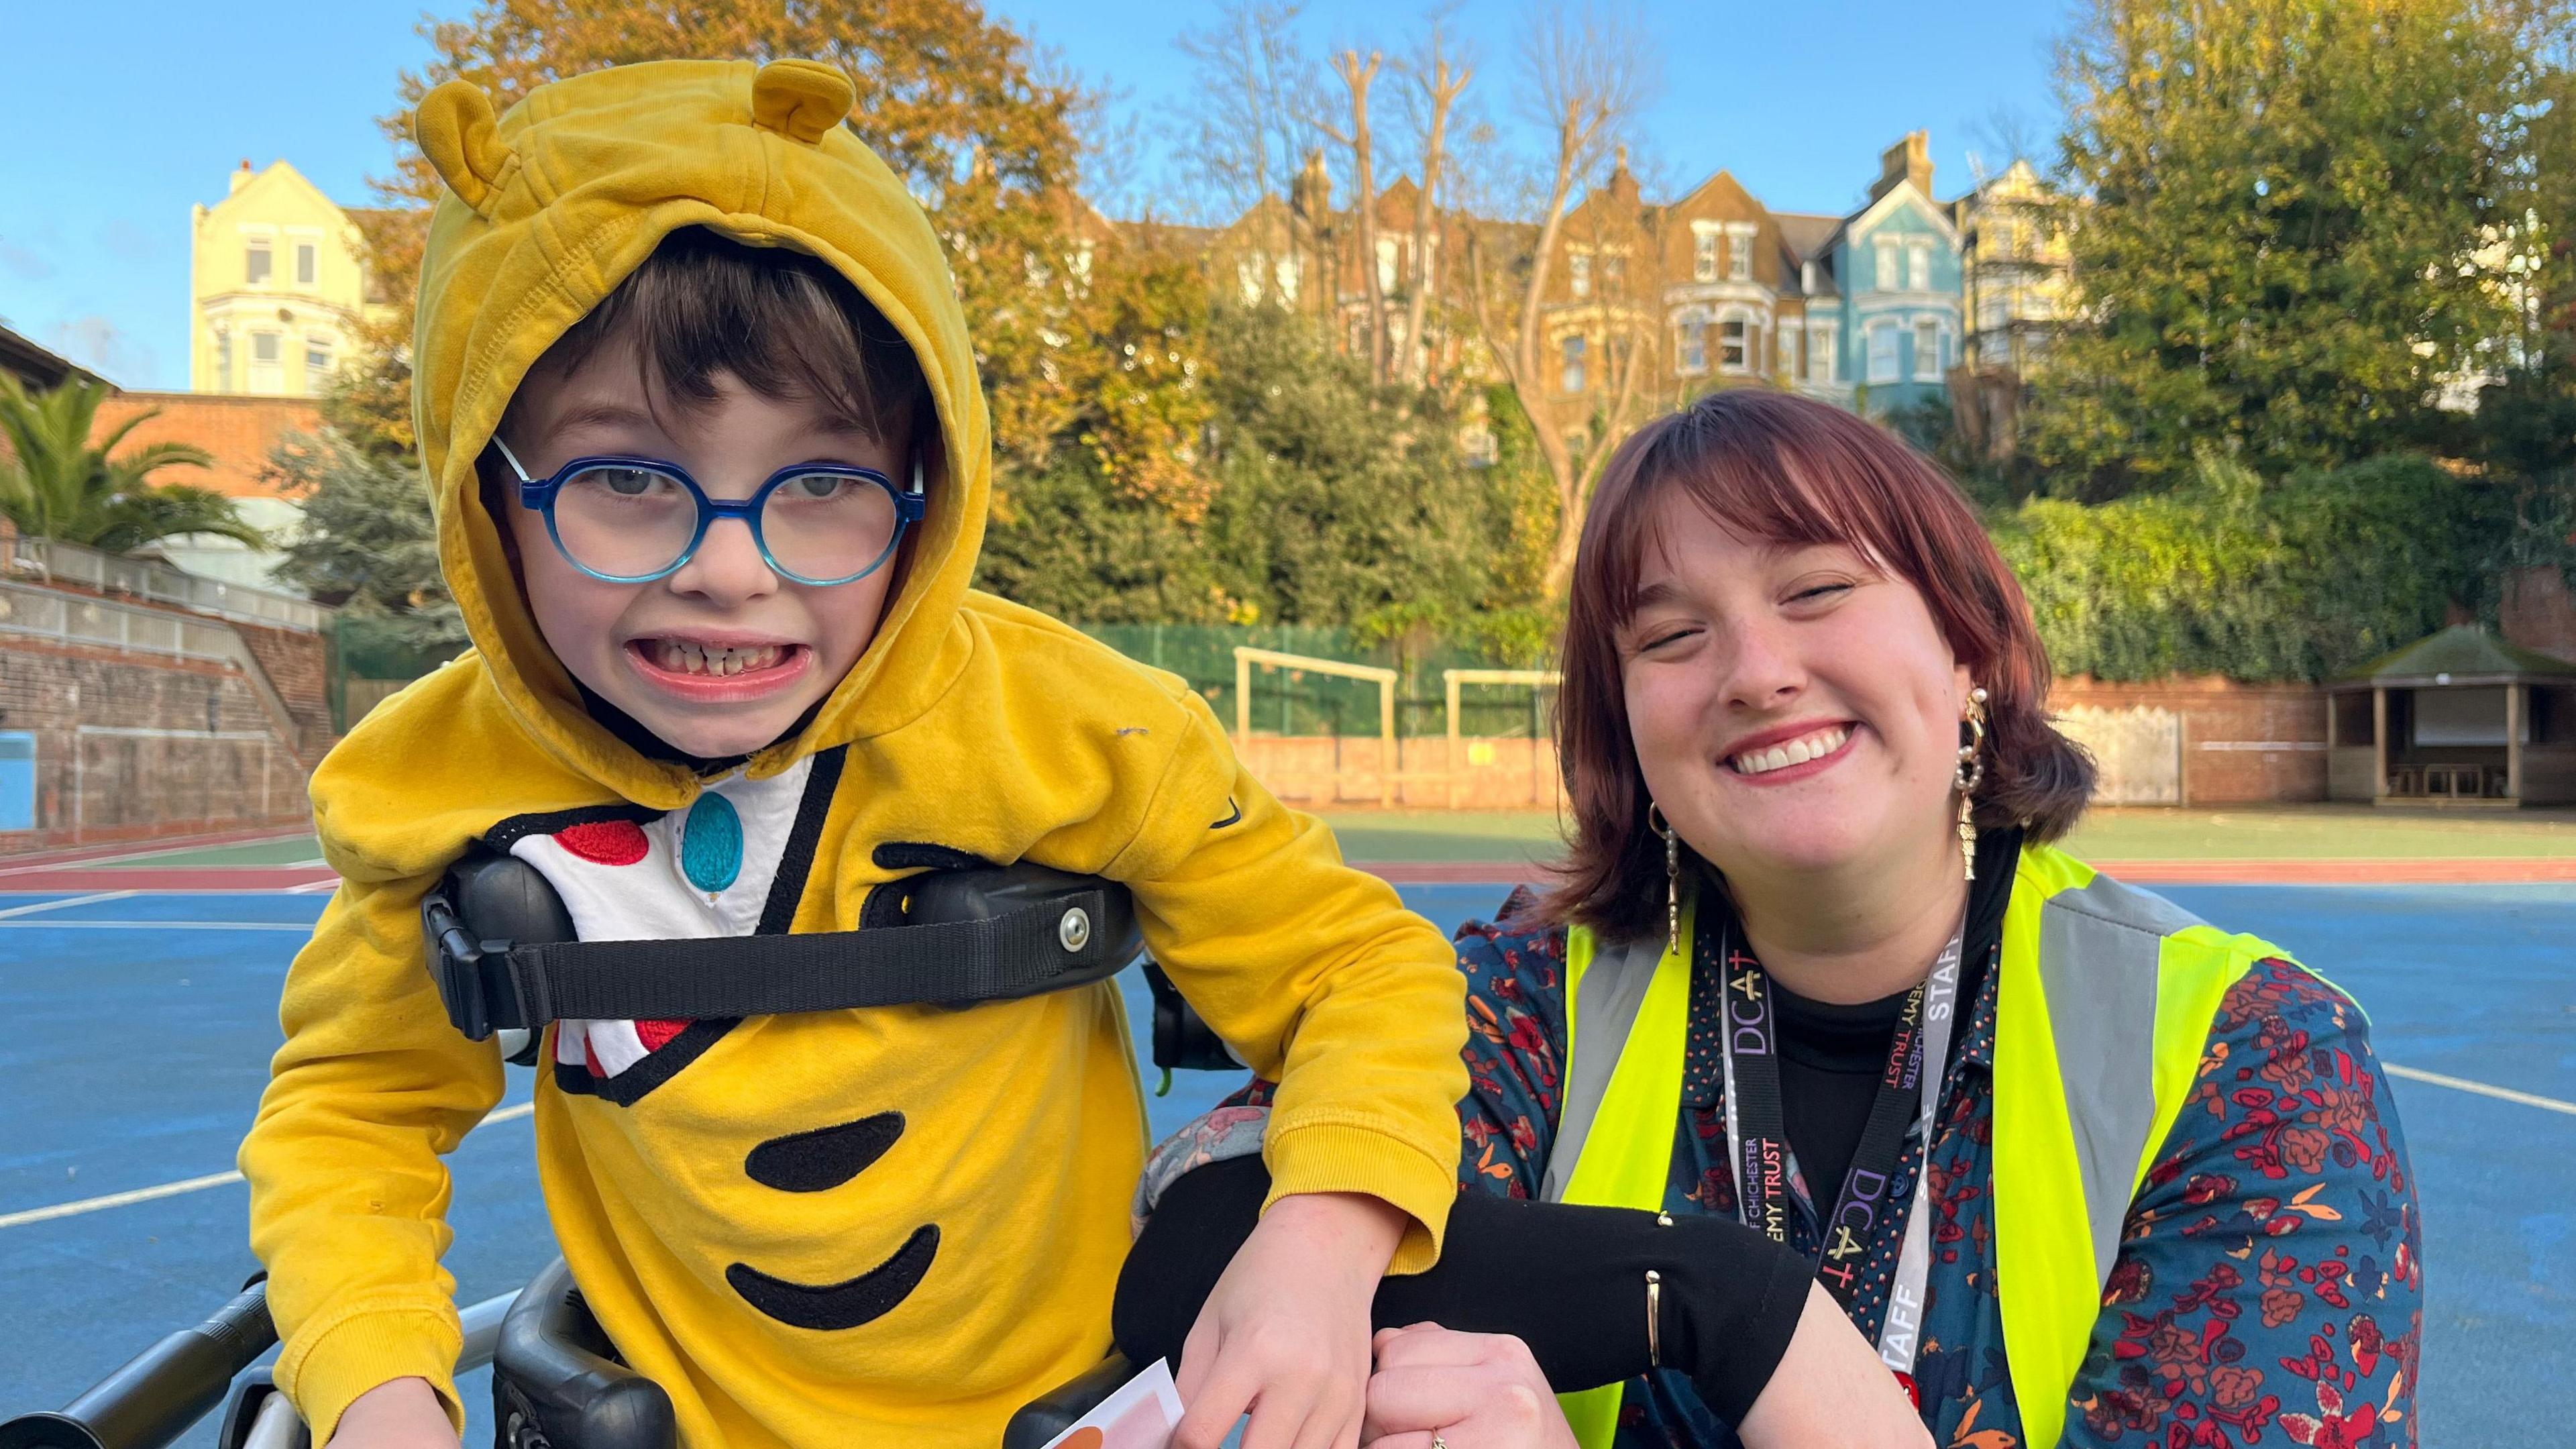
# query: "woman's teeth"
{"type": "Point", "coordinates": [1796, 752]}
{"type": "Point", "coordinates": [682, 657]}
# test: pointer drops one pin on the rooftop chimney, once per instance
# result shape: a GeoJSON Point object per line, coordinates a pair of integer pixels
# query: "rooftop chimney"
{"type": "Point", "coordinates": [241, 177]}
{"type": "Point", "coordinates": [1907, 160]}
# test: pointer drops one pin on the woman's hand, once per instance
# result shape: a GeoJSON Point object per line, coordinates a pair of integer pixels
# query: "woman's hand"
{"type": "Point", "coordinates": [1285, 1334]}
{"type": "Point", "coordinates": [1831, 1392]}
{"type": "Point", "coordinates": [1469, 1390]}
{"type": "Point", "coordinates": [403, 1414]}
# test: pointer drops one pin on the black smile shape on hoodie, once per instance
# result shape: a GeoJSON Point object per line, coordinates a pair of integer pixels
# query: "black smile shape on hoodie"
{"type": "Point", "coordinates": [818, 1161]}
{"type": "Point", "coordinates": [861, 1300]}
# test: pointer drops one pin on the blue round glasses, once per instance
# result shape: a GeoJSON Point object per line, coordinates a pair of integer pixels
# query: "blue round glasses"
{"type": "Point", "coordinates": [633, 520]}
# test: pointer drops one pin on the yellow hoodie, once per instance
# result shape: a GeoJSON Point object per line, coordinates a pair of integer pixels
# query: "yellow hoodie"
{"type": "Point", "coordinates": [969, 724]}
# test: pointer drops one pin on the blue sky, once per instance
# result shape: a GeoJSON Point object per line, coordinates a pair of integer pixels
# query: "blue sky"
{"type": "Point", "coordinates": [115, 133]}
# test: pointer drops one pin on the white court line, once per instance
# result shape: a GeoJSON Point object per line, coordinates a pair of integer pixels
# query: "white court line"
{"type": "Point", "coordinates": [67, 901]}
{"type": "Point", "coordinates": [299, 927]}
{"type": "Point", "coordinates": [2463, 1084]}
{"type": "Point", "coordinates": [184, 1185]}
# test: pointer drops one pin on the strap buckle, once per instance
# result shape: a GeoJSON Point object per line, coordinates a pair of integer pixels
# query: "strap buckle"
{"type": "Point", "coordinates": [479, 982]}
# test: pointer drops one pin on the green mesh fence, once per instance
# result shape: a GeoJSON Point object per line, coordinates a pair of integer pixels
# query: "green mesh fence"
{"type": "Point", "coordinates": [1284, 701]}
{"type": "Point", "coordinates": [369, 647]}
{"type": "Point", "coordinates": [1298, 702]}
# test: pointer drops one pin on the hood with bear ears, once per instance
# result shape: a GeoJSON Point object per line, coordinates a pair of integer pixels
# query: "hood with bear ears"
{"type": "Point", "coordinates": [548, 208]}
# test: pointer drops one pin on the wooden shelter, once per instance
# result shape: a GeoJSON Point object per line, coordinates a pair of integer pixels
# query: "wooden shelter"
{"type": "Point", "coordinates": [2460, 718]}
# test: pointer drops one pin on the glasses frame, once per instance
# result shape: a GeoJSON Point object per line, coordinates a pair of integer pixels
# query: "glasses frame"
{"type": "Point", "coordinates": [538, 495]}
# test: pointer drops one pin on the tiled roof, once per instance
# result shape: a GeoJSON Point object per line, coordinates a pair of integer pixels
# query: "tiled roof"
{"type": "Point", "coordinates": [39, 367]}
{"type": "Point", "coordinates": [1804, 234]}
{"type": "Point", "coordinates": [2462, 654]}
{"type": "Point", "coordinates": [239, 431]}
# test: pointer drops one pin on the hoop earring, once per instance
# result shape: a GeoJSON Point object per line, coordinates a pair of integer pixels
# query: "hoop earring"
{"type": "Point", "coordinates": [1971, 774]}
{"type": "Point", "coordinates": [1656, 822]}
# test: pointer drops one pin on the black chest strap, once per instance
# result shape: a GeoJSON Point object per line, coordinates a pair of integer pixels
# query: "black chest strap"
{"type": "Point", "coordinates": [502, 949]}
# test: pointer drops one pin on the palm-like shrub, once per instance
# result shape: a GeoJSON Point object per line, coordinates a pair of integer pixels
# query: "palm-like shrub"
{"type": "Point", "coordinates": [57, 482]}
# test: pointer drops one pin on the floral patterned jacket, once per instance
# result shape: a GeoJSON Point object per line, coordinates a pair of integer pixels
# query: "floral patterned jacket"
{"type": "Point", "coordinates": [2267, 1292]}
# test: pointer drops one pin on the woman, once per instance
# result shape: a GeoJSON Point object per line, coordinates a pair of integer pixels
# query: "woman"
{"type": "Point", "coordinates": [1813, 947]}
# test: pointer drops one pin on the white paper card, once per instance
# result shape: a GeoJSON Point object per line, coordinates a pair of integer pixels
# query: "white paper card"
{"type": "Point", "coordinates": [1141, 1415]}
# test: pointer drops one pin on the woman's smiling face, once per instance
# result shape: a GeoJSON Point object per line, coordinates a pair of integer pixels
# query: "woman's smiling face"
{"type": "Point", "coordinates": [1793, 707]}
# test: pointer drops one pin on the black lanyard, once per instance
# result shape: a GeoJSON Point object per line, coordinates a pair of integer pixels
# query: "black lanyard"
{"type": "Point", "coordinates": [1758, 1136]}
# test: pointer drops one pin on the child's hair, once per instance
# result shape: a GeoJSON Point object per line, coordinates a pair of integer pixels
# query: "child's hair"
{"type": "Point", "coordinates": [782, 322]}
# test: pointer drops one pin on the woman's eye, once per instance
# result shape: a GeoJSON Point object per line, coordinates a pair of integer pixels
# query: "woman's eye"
{"type": "Point", "coordinates": [1819, 591]}
{"type": "Point", "coordinates": [1658, 638]}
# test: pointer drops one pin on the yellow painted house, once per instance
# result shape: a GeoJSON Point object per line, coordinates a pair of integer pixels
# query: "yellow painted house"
{"type": "Point", "coordinates": [278, 286]}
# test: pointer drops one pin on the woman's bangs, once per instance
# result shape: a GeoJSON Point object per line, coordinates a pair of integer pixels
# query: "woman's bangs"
{"type": "Point", "coordinates": [1743, 484]}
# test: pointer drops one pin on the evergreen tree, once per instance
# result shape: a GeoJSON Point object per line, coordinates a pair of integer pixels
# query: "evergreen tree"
{"type": "Point", "coordinates": [2287, 233]}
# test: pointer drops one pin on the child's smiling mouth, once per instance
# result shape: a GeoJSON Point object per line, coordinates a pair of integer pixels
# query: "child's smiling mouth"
{"type": "Point", "coordinates": [702, 669]}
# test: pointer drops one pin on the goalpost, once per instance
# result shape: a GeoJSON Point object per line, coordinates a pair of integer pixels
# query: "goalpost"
{"type": "Point", "coordinates": [1452, 679]}
{"type": "Point", "coordinates": [1245, 657]}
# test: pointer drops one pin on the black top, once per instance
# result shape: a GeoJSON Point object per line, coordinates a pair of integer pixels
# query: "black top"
{"type": "Point", "coordinates": [1831, 1061]}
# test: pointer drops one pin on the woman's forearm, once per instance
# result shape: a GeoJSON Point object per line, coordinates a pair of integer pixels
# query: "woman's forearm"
{"type": "Point", "coordinates": [1568, 1281]}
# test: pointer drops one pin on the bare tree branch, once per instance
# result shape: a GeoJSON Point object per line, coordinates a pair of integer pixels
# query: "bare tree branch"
{"type": "Point", "coordinates": [1357, 77]}
{"type": "Point", "coordinates": [1585, 76]}
{"type": "Point", "coordinates": [1257, 95]}
{"type": "Point", "coordinates": [1439, 75]}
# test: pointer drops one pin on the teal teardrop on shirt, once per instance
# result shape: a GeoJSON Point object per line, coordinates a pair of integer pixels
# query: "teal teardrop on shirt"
{"type": "Point", "coordinates": [711, 843]}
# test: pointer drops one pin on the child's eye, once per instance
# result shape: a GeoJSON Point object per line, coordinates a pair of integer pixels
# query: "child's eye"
{"type": "Point", "coordinates": [622, 482]}
{"type": "Point", "coordinates": [1819, 592]}
{"type": "Point", "coordinates": [816, 487]}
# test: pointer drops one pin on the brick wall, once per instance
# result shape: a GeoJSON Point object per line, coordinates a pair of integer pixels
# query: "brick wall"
{"type": "Point", "coordinates": [1319, 772]}
{"type": "Point", "coordinates": [239, 431]}
{"type": "Point", "coordinates": [298, 666]}
{"type": "Point", "coordinates": [130, 746]}
{"type": "Point", "coordinates": [2538, 612]}
{"type": "Point", "coordinates": [2242, 744]}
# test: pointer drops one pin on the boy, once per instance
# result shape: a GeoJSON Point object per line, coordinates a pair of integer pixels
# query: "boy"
{"type": "Point", "coordinates": [656, 293]}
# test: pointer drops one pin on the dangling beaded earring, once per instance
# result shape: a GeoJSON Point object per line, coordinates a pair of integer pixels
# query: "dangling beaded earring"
{"type": "Point", "coordinates": [1656, 822]}
{"type": "Point", "coordinates": [1972, 773]}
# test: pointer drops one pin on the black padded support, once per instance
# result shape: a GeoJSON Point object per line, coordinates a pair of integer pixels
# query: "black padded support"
{"type": "Point", "coordinates": [556, 1382]}
{"type": "Point", "coordinates": [1041, 1419]}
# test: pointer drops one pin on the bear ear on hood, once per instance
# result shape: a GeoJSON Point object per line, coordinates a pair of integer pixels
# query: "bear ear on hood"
{"type": "Point", "coordinates": [454, 127]}
{"type": "Point", "coordinates": [801, 99]}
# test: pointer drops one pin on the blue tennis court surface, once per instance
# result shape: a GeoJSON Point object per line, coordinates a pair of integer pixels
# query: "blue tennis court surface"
{"type": "Point", "coordinates": [140, 1027]}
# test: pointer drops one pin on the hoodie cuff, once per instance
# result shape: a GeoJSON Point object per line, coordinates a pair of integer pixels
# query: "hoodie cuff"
{"type": "Point", "coordinates": [1339, 1157]}
{"type": "Point", "coordinates": [368, 1349]}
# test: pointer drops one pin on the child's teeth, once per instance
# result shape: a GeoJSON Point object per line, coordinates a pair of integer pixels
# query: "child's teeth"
{"type": "Point", "coordinates": [680, 656]}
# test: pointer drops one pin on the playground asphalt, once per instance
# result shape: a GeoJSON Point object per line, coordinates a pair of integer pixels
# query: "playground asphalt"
{"type": "Point", "coordinates": [142, 1019]}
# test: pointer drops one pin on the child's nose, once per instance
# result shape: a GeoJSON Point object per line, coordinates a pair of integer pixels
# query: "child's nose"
{"type": "Point", "coordinates": [727, 568]}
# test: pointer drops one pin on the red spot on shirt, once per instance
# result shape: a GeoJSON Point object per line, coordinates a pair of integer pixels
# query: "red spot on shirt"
{"type": "Point", "coordinates": [605, 842]}
{"type": "Point", "coordinates": [657, 1034]}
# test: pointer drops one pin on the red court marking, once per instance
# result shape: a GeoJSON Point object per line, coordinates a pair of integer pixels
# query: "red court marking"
{"type": "Point", "coordinates": [34, 860]}
{"type": "Point", "coordinates": [2490, 871]}
{"type": "Point", "coordinates": [78, 878]}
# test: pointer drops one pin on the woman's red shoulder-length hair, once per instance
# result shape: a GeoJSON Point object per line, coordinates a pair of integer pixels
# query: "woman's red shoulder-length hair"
{"type": "Point", "coordinates": [1779, 468]}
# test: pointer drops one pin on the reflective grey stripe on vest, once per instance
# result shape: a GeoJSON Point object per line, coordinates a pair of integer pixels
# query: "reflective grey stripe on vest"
{"type": "Point", "coordinates": [2100, 954]}
{"type": "Point", "coordinates": [1614, 989]}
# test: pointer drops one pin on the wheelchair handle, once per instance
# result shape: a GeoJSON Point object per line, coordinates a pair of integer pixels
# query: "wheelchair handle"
{"type": "Point", "coordinates": [169, 1386]}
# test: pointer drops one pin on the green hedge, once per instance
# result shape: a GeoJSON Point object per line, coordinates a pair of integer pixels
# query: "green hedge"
{"type": "Point", "coordinates": [2302, 579]}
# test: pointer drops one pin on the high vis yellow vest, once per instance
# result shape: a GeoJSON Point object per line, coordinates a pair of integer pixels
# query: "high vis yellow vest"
{"type": "Point", "coordinates": [2103, 1007]}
